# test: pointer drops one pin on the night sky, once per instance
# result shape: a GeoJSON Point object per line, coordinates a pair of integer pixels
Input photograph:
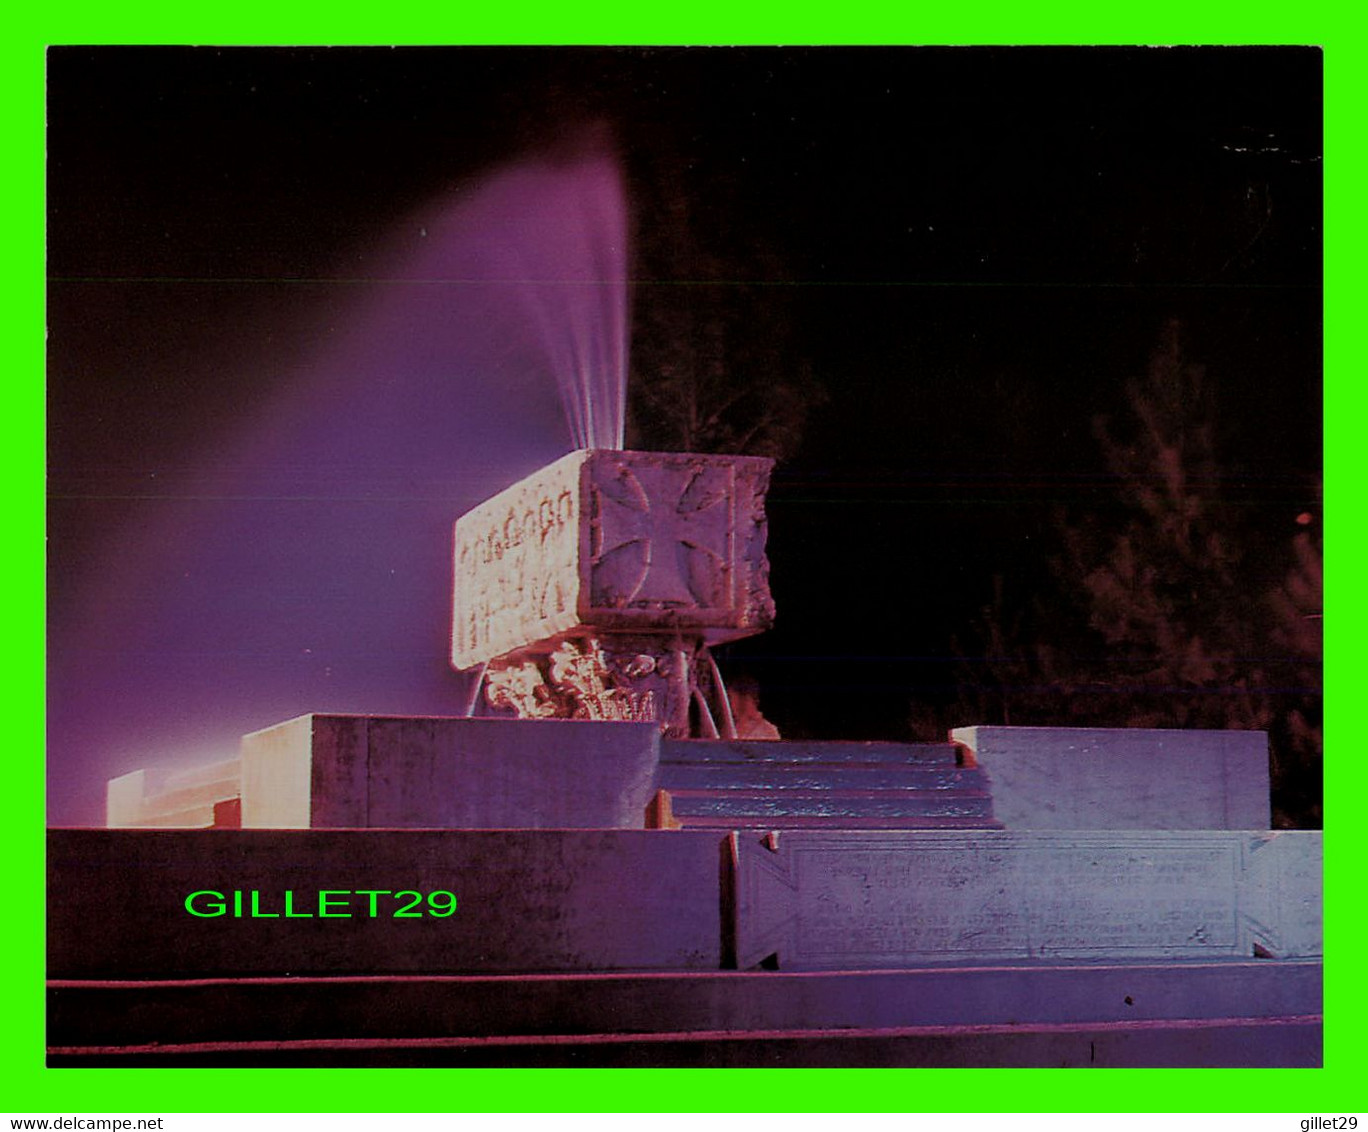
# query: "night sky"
{"type": "Point", "coordinates": [262, 422]}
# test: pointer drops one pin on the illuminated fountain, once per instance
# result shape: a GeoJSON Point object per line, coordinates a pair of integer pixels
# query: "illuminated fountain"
{"type": "Point", "coordinates": [1014, 896]}
{"type": "Point", "coordinates": [593, 588]}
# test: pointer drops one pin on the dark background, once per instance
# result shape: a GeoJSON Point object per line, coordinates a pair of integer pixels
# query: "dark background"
{"type": "Point", "coordinates": [959, 256]}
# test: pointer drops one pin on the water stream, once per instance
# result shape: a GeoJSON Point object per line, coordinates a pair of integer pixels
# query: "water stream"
{"type": "Point", "coordinates": [303, 563]}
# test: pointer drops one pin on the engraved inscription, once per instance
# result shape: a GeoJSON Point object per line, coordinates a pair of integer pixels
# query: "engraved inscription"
{"type": "Point", "coordinates": [522, 568]}
{"type": "Point", "coordinates": [516, 563]}
{"type": "Point", "coordinates": [890, 898]}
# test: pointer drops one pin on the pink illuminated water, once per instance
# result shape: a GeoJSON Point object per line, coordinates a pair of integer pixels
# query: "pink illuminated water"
{"type": "Point", "coordinates": [558, 234]}
{"type": "Point", "coordinates": [303, 562]}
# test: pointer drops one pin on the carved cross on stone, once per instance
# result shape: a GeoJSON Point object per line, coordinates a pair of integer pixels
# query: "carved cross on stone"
{"type": "Point", "coordinates": [668, 545]}
{"type": "Point", "coordinates": [662, 538]}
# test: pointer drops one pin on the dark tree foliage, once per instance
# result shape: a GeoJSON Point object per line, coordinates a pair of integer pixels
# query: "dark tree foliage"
{"type": "Point", "coordinates": [715, 362]}
{"type": "Point", "coordinates": [1178, 603]}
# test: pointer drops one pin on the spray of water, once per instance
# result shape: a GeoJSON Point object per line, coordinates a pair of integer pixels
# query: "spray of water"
{"type": "Point", "coordinates": [572, 283]}
{"type": "Point", "coordinates": [304, 563]}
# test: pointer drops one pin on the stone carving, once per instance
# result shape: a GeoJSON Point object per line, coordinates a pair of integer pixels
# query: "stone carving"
{"type": "Point", "coordinates": [515, 567]}
{"type": "Point", "coordinates": [593, 588]}
{"type": "Point", "coordinates": [662, 538]}
{"type": "Point", "coordinates": [521, 688]}
{"type": "Point", "coordinates": [615, 542]}
{"type": "Point", "coordinates": [580, 672]}
{"type": "Point", "coordinates": [580, 679]}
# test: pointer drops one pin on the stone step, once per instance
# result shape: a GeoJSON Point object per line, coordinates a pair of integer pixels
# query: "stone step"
{"type": "Point", "coordinates": [770, 807]}
{"type": "Point", "coordinates": [743, 751]}
{"type": "Point", "coordinates": [993, 1015]}
{"type": "Point", "coordinates": [712, 784]}
{"type": "Point", "coordinates": [757, 822]}
{"type": "Point", "coordinates": [201, 796]}
{"type": "Point", "coordinates": [227, 772]}
{"type": "Point", "coordinates": [189, 805]}
{"type": "Point", "coordinates": [181, 800]}
{"type": "Point", "coordinates": [783, 776]}
{"type": "Point", "coordinates": [329, 771]}
{"type": "Point", "coordinates": [157, 816]}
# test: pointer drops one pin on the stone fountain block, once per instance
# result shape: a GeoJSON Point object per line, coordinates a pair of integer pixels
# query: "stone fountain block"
{"type": "Point", "coordinates": [620, 542]}
{"type": "Point", "coordinates": [327, 771]}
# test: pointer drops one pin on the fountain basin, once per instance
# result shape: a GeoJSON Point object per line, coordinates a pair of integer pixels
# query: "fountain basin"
{"type": "Point", "coordinates": [606, 542]}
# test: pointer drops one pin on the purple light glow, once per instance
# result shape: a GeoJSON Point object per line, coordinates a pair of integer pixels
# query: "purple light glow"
{"type": "Point", "coordinates": [303, 563]}
{"type": "Point", "coordinates": [571, 282]}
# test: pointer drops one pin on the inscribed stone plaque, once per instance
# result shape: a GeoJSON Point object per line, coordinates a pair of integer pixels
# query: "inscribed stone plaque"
{"type": "Point", "coordinates": [886, 899]}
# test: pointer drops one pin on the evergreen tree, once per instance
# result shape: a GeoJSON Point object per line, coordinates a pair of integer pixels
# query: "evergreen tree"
{"type": "Point", "coordinates": [1173, 605]}
{"type": "Point", "coordinates": [1161, 577]}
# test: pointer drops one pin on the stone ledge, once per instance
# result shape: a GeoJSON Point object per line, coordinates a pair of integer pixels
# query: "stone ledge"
{"type": "Point", "coordinates": [1122, 778]}
{"type": "Point", "coordinates": [853, 899]}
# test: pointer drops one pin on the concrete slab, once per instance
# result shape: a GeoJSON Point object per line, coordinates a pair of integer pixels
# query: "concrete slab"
{"type": "Point", "coordinates": [898, 898]}
{"type": "Point", "coordinates": [1225, 1043]}
{"type": "Point", "coordinates": [528, 900]}
{"type": "Point", "coordinates": [1124, 778]}
{"type": "Point", "coordinates": [184, 798]}
{"type": "Point", "coordinates": [321, 1008]}
{"type": "Point", "coordinates": [359, 772]}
